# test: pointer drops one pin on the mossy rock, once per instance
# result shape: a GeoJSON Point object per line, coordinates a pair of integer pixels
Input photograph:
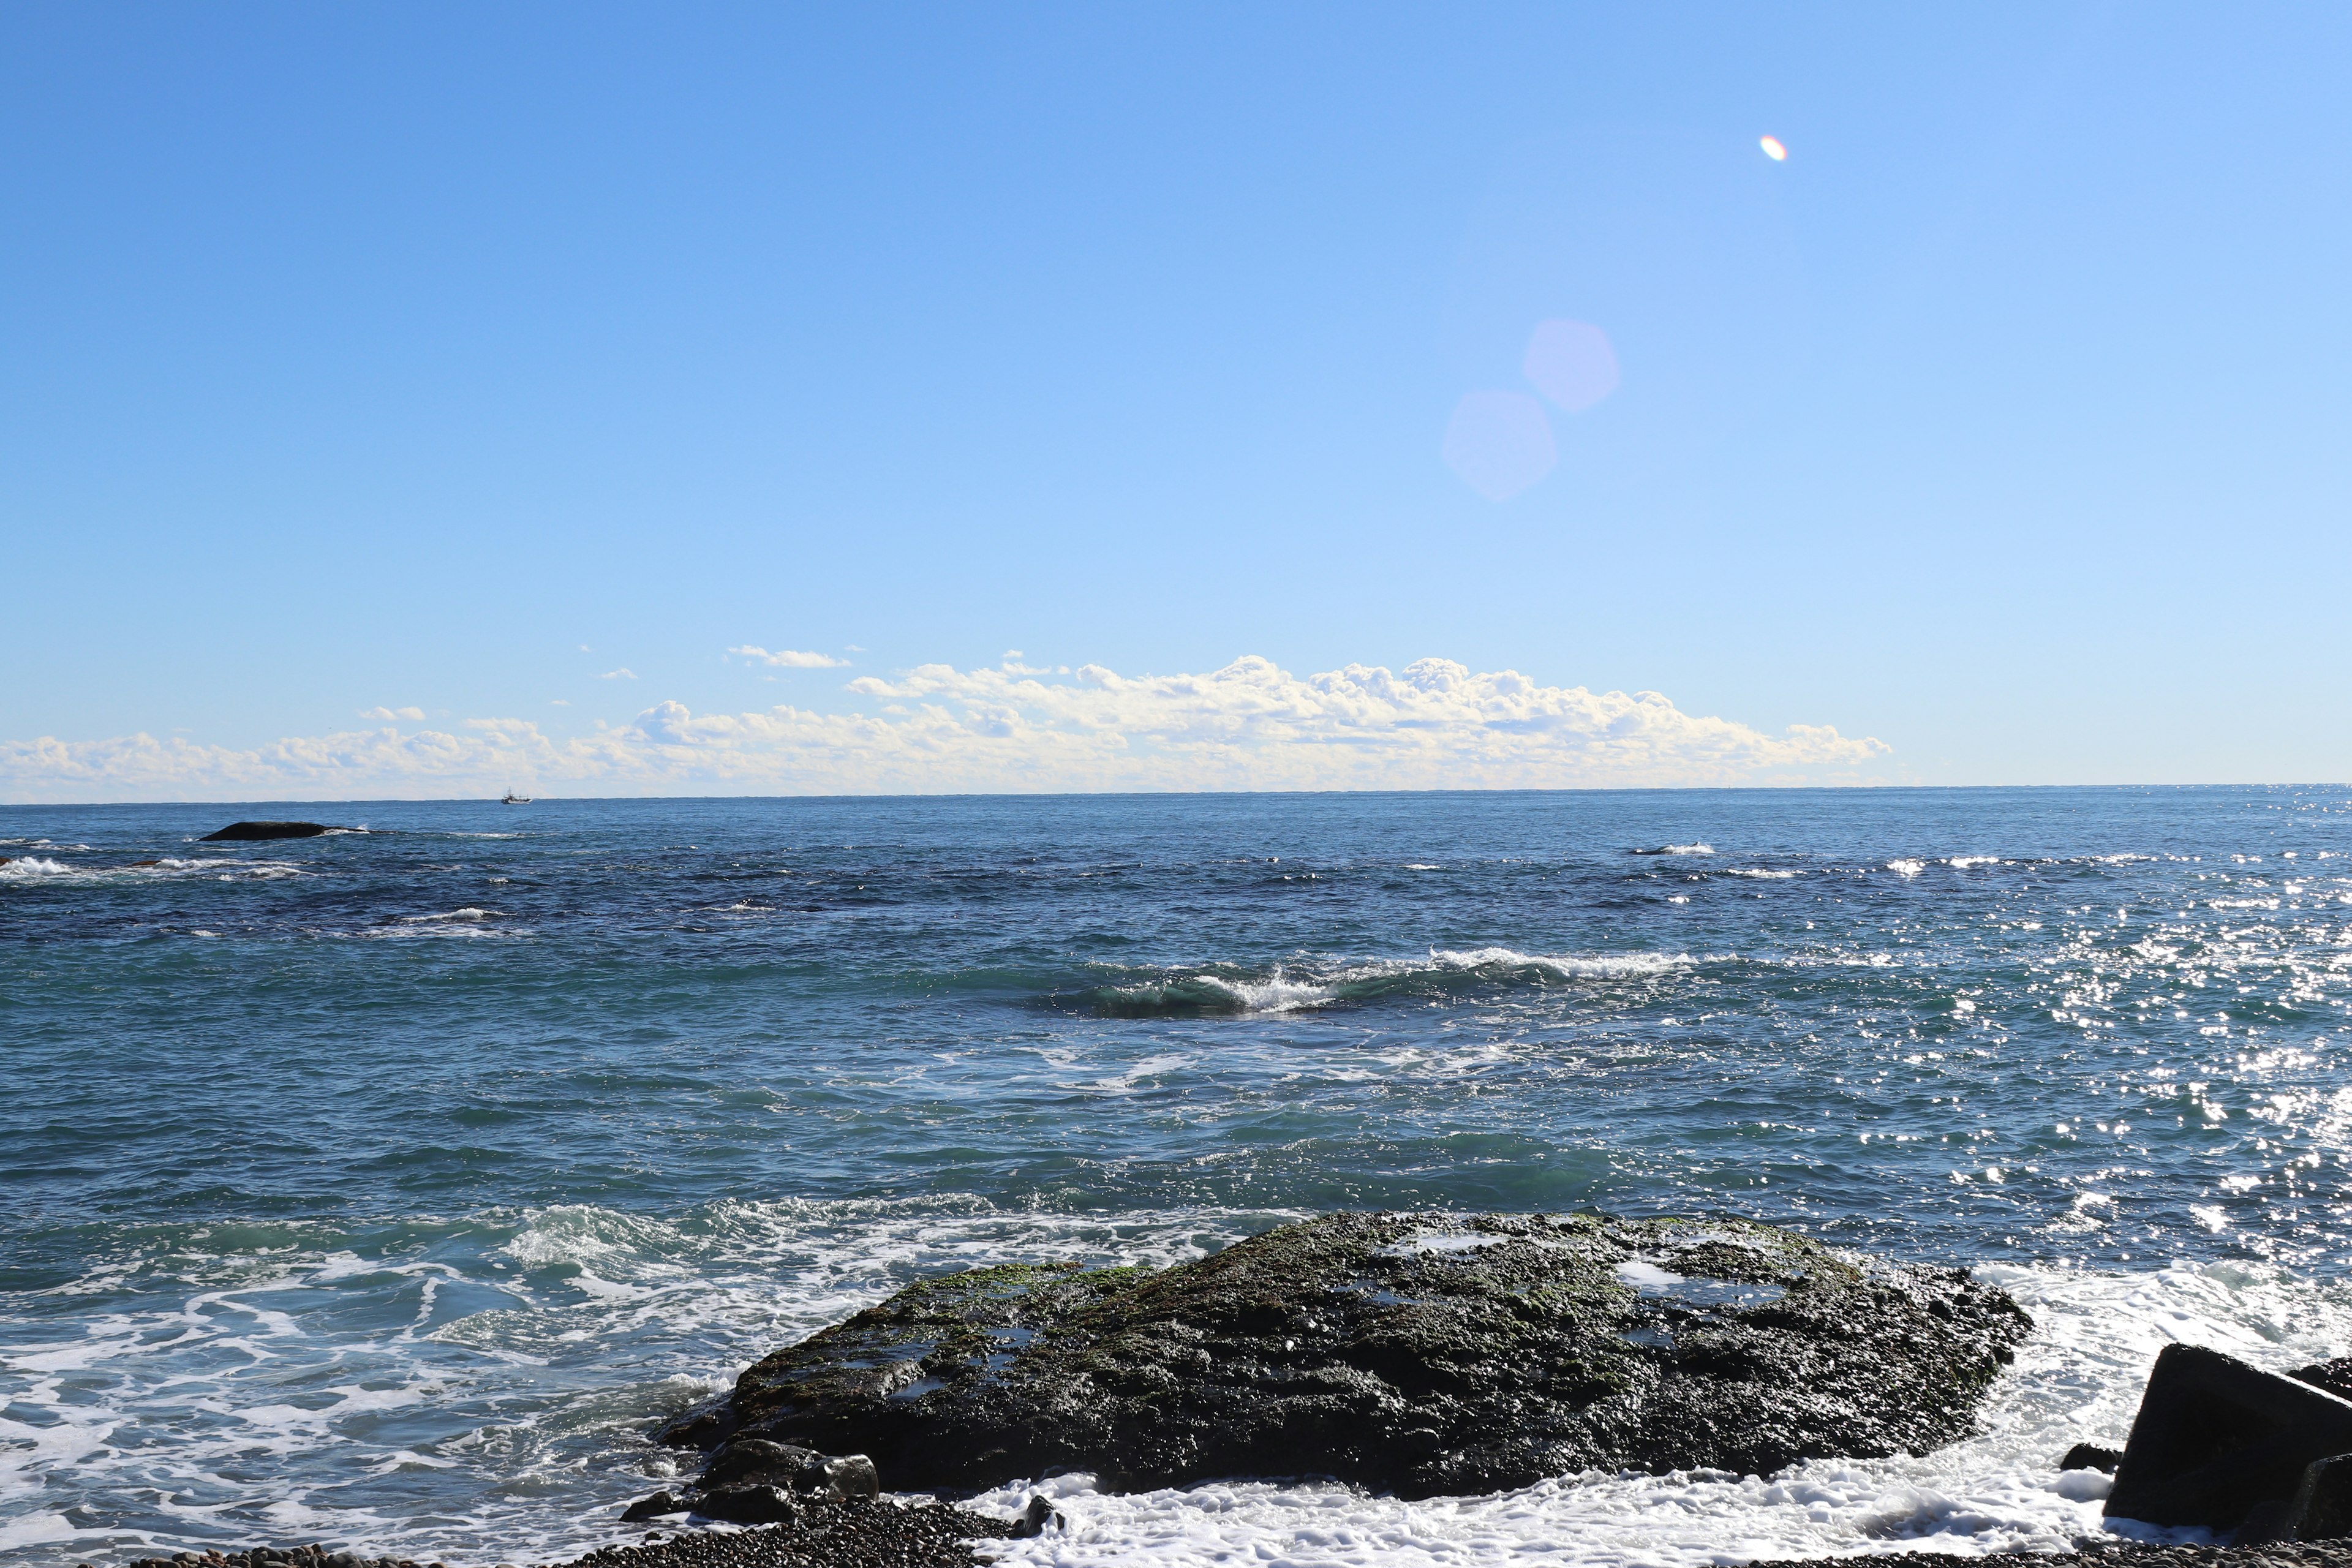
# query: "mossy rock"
{"type": "Point", "coordinates": [1414, 1353]}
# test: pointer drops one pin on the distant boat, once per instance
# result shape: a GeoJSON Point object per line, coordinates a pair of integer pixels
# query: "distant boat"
{"type": "Point", "coordinates": [514, 799]}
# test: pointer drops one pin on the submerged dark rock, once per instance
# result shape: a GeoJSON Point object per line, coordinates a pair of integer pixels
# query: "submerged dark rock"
{"type": "Point", "coordinates": [2091, 1456]}
{"type": "Point", "coordinates": [247, 832]}
{"type": "Point", "coordinates": [1413, 1354]}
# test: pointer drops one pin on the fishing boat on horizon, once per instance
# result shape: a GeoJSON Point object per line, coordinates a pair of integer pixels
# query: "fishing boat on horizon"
{"type": "Point", "coordinates": [513, 799]}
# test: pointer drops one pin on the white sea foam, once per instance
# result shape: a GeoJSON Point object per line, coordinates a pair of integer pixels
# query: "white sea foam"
{"type": "Point", "coordinates": [533, 1410]}
{"type": "Point", "coordinates": [1907, 868]}
{"type": "Point", "coordinates": [44, 868]}
{"type": "Point", "coordinates": [1275, 993]}
{"type": "Point", "coordinates": [1596, 966]}
{"type": "Point", "coordinates": [468, 913]}
{"type": "Point", "coordinates": [1760, 873]}
{"type": "Point", "coordinates": [1639, 1275]}
{"type": "Point", "coordinates": [1321, 982]}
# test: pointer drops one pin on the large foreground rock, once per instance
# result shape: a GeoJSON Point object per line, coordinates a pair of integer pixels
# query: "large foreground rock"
{"type": "Point", "coordinates": [2227, 1445]}
{"type": "Point", "coordinates": [1413, 1354]}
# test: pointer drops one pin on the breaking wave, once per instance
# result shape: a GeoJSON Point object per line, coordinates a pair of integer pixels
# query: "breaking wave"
{"type": "Point", "coordinates": [36, 868]}
{"type": "Point", "coordinates": [1210, 990]}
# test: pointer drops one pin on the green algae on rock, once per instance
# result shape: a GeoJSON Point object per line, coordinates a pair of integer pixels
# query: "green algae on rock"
{"type": "Point", "coordinates": [1415, 1354]}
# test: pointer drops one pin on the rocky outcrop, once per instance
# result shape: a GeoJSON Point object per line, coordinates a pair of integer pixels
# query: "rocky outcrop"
{"type": "Point", "coordinates": [248, 832]}
{"type": "Point", "coordinates": [754, 1481]}
{"type": "Point", "coordinates": [2234, 1449]}
{"type": "Point", "coordinates": [1408, 1352]}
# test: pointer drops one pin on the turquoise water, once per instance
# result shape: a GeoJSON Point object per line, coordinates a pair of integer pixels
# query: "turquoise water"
{"type": "Point", "coordinates": [377, 1188]}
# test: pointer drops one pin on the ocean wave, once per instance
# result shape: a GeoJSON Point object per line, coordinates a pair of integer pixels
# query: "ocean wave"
{"type": "Point", "coordinates": [468, 913]}
{"type": "Point", "coordinates": [1677, 849]}
{"type": "Point", "coordinates": [1760, 873]}
{"type": "Point", "coordinates": [44, 868]}
{"type": "Point", "coordinates": [1209, 990]}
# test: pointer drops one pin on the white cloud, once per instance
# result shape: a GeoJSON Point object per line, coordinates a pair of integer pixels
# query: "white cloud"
{"type": "Point", "coordinates": [622, 674]}
{"type": "Point", "coordinates": [792, 657]}
{"type": "Point", "coordinates": [1251, 725]}
{"type": "Point", "coordinates": [413, 714]}
{"type": "Point", "coordinates": [560, 702]}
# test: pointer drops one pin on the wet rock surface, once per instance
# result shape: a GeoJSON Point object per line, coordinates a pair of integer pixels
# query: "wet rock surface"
{"type": "Point", "coordinates": [2227, 1446]}
{"type": "Point", "coordinates": [754, 1481]}
{"type": "Point", "coordinates": [1421, 1354]}
{"type": "Point", "coordinates": [2335, 1376]}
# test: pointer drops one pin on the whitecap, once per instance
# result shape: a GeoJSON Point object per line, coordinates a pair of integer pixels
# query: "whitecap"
{"type": "Point", "coordinates": [1272, 995]}
{"type": "Point", "coordinates": [1598, 966]}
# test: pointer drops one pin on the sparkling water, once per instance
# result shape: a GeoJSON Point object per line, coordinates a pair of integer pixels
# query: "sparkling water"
{"type": "Point", "coordinates": [381, 1189]}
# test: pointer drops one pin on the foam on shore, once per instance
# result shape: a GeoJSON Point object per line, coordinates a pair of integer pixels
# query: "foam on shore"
{"type": "Point", "coordinates": [481, 1395]}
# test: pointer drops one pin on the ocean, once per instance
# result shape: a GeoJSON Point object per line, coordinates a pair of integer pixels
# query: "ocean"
{"type": "Point", "coordinates": [381, 1189]}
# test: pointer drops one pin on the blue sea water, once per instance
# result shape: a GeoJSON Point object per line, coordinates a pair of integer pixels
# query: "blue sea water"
{"type": "Point", "coordinates": [380, 1188]}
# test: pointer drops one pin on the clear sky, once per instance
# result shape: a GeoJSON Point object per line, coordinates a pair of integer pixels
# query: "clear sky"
{"type": "Point", "coordinates": [381, 384]}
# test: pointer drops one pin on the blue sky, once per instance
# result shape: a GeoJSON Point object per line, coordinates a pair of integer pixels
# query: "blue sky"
{"type": "Point", "coordinates": [370, 359]}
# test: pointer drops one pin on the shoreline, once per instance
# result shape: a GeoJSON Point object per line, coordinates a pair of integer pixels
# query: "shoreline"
{"type": "Point", "coordinates": [889, 1533]}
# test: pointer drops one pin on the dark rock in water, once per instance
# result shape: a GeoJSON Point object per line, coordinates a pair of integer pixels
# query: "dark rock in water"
{"type": "Point", "coordinates": [1034, 1519]}
{"type": "Point", "coordinates": [2217, 1442]}
{"type": "Point", "coordinates": [245, 832]}
{"type": "Point", "coordinates": [654, 1507]}
{"type": "Point", "coordinates": [2335, 1377]}
{"type": "Point", "coordinates": [755, 1461]}
{"type": "Point", "coordinates": [2091, 1456]}
{"type": "Point", "coordinates": [1413, 1354]}
{"type": "Point", "coordinates": [754, 1481]}
{"type": "Point", "coordinates": [704, 1426]}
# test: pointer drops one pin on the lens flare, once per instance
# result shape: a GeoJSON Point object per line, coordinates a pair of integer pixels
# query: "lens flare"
{"type": "Point", "coordinates": [1772, 149]}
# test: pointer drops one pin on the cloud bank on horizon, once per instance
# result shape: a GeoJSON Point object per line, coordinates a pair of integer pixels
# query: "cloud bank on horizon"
{"type": "Point", "coordinates": [937, 730]}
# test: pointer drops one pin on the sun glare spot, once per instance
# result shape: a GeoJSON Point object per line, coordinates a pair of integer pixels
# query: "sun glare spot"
{"type": "Point", "coordinates": [1772, 149]}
